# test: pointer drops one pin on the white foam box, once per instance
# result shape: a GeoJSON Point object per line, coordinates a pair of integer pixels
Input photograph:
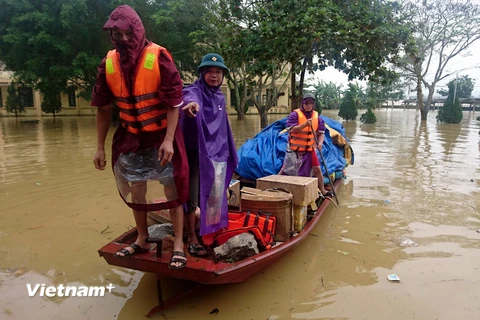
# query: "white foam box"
{"type": "Point", "coordinates": [303, 189]}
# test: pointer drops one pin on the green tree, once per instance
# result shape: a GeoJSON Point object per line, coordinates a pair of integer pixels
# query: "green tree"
{"type": "Point", "coordinates": [42, 40]}
{"type": "Point", "coordinates": [328, 95]}
{"type": "Point", "coordinates": [368, 117]}
{"type": "Point", "coordinates": [176, 24]}
{"type": "Point", "coordinates": [461, 87]}
{"type": "Point", "coordinates": [14, 102]}
{"type": "Point", "coordinates": [351, 102]}
{"type": "Point", "coordinates": [233, 32]}
{"type": "Point", "coordinates": [357, 37]}
{"type": "Point", "coordinates": [451, 112]}
{"type": "Point", "coordinates": [379, 92]}
{"type": "Point", "coordinates": [51, 102]}
{"type": "Point", "coordinates": [442, 30]}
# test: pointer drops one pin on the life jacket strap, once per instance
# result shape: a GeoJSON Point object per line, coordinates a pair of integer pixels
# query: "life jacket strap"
{"type": "Point", "coordinates": [136, 99]}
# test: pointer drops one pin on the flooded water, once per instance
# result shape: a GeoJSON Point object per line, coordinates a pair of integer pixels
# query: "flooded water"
{"type": "Point", "coordinates": [410, 206]}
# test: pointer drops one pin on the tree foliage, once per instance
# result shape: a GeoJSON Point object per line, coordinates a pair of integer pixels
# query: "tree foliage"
{"type": "Point", "coordinates": [328, 95]}
{"type": "Point", "coordinates": [265, 43]}
{"type": "Point", "coordinates": [51, 102]}
{"type": "Point", "coordinates": [461, 87]}
{"type": "Point", "coordinates": [356, 37]}
{"type": "Point", "coordinates": [175, 24]}
{"type": "Point", "coordinates": [14, 102]}
{"type": "Point", "coordinates": [451, 112]}
{"type": "Point", "coordinates": [53, 41]}
{"type": "Point", "coordinates": [379, 92]}
{"type": "Point", "coordinates": [257, 38]}
{"type": "Point", "coordinates": [368, 117]}
{"type": "Point", "coordinates": [351, 102]}
{"type": "Point", "coordinates": [442, 30]}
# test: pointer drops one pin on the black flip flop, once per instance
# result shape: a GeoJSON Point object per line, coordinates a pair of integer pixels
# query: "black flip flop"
{"type": "Point", "coordinates": [173, 260]}
{"type": "Point", "coordinates": [126, 253]}
{"type": "Point", "coordinates": [195, 248]}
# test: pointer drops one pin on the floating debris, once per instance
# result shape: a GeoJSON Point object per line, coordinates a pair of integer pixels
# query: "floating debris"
{"type": "Point", "coordinates": [408, 243]}
{"type": "Point", "coordinates": [393, 278]}
{"type": "Point", "coordinates": [214, 311]}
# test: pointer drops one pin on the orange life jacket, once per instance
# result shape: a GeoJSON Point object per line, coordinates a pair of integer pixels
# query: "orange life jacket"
{"type": "Point", "coordinates": [139, 110]}
{"type": "Point", "coordinates": [262, 226]}
{"type": "Point", "coordinates": [304, 140]}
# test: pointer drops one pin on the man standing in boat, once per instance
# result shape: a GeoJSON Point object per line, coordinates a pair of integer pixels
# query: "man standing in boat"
{"type": "Point", "coordinates": [211, 151]}
{"type": "Point", "coordinates": [304, 123]}
{"type": "Point", "coordinates": [148, 152]}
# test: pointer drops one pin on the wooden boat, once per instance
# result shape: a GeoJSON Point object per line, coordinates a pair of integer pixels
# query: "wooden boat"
{"type": "Point", "coordinates": [204, 270]}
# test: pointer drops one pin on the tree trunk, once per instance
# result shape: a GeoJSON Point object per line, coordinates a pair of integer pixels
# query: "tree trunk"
{"type": "Point", "coordinates": [263, 117]}
{"type": "Point", "coordinates": [240, 115]}
{"type": "Point", "coordinates": [296, 97]}
{"type": "Point", "coordinates": [240, 111]}
{"type": "Point", "coordinates": [423, 114]}
{"type": "Point", "coordinates": [426, 106]}
{"type": "Point", "coordinates": [302, 78]}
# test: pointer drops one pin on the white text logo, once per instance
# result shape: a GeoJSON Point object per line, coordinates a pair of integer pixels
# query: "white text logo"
{"type": "Point", "coordinates": [67, 291]}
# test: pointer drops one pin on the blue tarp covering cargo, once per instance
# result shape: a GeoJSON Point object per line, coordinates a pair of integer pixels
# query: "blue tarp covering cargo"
{"type": "Point", "coordinates": [263, 155]}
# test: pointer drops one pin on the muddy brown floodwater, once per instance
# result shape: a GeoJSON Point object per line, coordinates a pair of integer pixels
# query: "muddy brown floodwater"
{"type": "Point", "coordinates": [410, 206]}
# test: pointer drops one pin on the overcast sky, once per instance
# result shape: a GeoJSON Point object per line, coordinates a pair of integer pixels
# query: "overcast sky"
{"type": "Point", "coordinates": [470, 62]}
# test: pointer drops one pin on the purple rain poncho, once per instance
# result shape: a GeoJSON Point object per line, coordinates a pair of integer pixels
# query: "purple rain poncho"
{"type": "Point", "coordinates": [211, 135]}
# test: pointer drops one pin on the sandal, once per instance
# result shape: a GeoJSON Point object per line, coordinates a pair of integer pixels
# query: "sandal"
{"type": "Point", "coordinates": [182, 260]}
{"type": "Point", "coordinates": [196, 249]}
{"type": "Point", "coordinates": [126, 253]}
{"type": "Point", "coordinates": [328, 194]}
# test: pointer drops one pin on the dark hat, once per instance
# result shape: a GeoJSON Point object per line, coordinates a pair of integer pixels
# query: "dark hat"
{"type": "Point", "coordinates": [116, 20]}
{"type": "Point", "coordinates": [308, 95]}
{"type": "Point", "coordinates": [213, 60]}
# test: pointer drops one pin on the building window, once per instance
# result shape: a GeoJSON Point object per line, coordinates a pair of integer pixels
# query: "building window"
{"type": "Point", "coordinates": [72, 99]}
{"type": "Point", "coordinates": [26, 96]}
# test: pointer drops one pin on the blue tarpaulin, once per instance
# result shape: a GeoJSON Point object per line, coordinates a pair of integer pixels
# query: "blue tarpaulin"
{"type": "Point", "coordinates": [263, 155]}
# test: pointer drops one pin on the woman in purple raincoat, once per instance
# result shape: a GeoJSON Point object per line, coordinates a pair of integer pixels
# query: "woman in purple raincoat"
{"type": "Point", "coordinates": [211, 151]}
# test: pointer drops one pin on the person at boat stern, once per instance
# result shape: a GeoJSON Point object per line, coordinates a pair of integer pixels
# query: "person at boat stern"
{"type": "Point", "coordinates": [148, 151]}
{"type": "Point", "coordinates": [301, 157]}
{"type": "Point", "coordinates": [211, 151]}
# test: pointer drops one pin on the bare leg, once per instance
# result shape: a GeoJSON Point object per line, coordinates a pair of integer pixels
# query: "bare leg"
{"type": "Point", "coordinates": [192, 205]}
{"type": "Point", "coordinates": [190, 226]}
{"type": "Point", "coordinates": [318, 173]}
{"type": "Point", "coordinates": [139, 190]}
{"type": "Point", "coordinates": [194, 247]}
{"type": "Point", "coordinates": [176, 216]}
{"type": "Point", "coordinates": [142, 228]}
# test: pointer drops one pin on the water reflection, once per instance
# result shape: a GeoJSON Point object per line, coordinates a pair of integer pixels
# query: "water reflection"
{"type": "Point", "coordinates": [350, 129]}
{"type": "Point", "coordinates": [411, 180]}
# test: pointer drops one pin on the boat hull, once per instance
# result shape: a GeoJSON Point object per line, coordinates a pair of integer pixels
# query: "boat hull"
{"type": "Point", "coordinates": [206, 270]}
